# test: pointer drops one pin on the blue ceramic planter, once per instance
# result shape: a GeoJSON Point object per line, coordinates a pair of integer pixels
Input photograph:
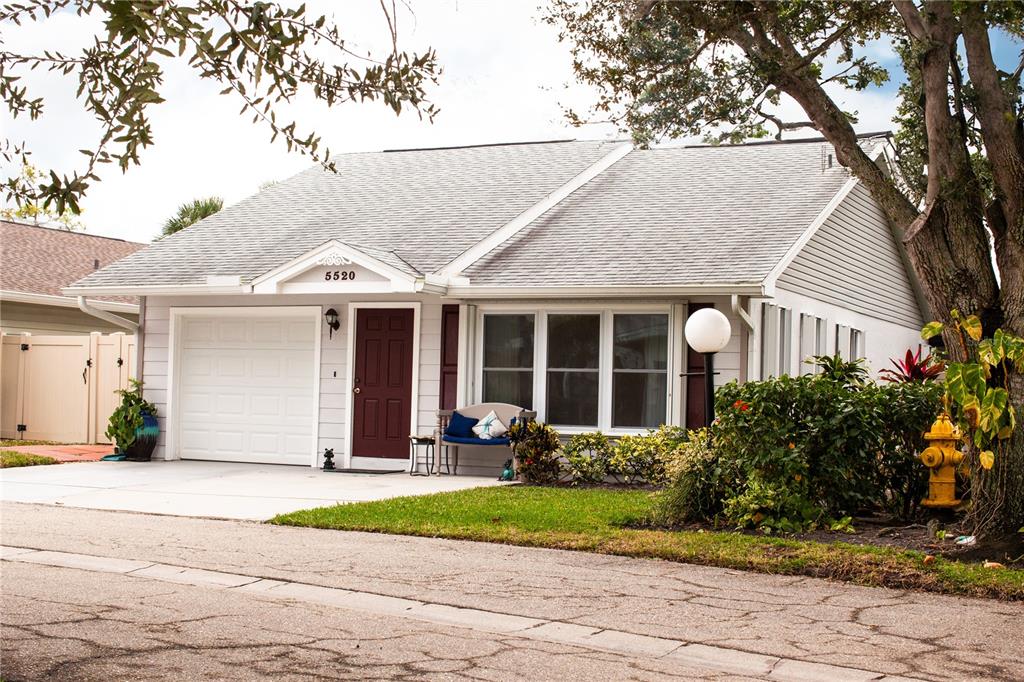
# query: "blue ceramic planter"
{"type": "Point", "coordinates": [145, 440]}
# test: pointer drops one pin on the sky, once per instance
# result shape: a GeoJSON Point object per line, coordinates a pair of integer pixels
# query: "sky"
{"type": "Point", "coordinates": [506, 79]}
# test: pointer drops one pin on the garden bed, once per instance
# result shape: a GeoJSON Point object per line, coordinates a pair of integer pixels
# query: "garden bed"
{"type": "Point", "coordinates": [607, 521]}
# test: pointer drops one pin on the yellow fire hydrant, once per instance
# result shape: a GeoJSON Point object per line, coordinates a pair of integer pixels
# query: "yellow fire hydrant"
{"type": "Point", "coordinates": [942, 457]}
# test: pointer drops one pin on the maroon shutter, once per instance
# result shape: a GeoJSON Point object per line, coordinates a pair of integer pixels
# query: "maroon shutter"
{"type": "Point", "coordinates": [695, 383]}
{"type": "Point", "coordinates": [449, 356]}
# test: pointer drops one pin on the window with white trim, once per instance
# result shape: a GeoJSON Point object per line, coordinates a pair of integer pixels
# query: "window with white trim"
{"type": "Point", "coordinates": [639, 370]}
{"type": "Point", "coordinates": [574, 364]}
{"type": "Point", "coordinates": [587, 368]}
{"type": "Point", "coordinates": [508, 359]}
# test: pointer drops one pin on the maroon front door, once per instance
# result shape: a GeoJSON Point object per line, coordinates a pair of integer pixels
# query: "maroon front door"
{"type": "Point", "coordinates": [382, 382]}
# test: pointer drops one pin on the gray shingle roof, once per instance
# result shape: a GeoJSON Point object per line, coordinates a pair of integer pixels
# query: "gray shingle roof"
{"type": "Point", "coordinates": [673, 216]}
{"type": "Point", "coordinates": [670, 216]}
{"type": "Point", "coordinates": [426, 206]}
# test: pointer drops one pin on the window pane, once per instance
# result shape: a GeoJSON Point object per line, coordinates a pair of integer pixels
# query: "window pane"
{"type": "Point", "coordinates": [574, 341]}
{"type": "Point", "coordinates": [638, 399]}
{"type": "Point", "coordinates": [508, 341]}
{"type": "Point", "coordinates": [572, 398]}
{"type": "Point", "coordinates": [641, 342]}
{"type": "Point", "coordinates": [512, 387]}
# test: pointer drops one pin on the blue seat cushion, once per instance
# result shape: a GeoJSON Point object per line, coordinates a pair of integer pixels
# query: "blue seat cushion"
{"type": "Point", "coordinates": [460, 426]}
{"type": "Point", "coordinates": [463, 440]}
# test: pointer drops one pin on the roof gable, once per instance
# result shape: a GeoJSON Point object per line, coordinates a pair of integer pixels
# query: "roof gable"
{"type": "Point", "coordinates": [334, 267]}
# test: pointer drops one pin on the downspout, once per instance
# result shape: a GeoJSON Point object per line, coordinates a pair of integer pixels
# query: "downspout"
{"type": "Point", "coordinates": [84, 306]}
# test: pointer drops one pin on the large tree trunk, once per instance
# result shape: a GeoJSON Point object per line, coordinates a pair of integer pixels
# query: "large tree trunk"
{"type": "Point", "coordinates": [947, 242]}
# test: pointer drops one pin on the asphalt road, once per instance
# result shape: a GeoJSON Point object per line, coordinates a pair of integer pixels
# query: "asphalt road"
{"type": "Point", "coordinates": [134, 596]}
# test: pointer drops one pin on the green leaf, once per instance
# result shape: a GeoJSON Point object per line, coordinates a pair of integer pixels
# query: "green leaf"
{"type": "Point", "coordinates": [931, 329]}
{"type": "Point", "coordinates": [992, 407]}
{"type": "Point", "coordinates": [972, 325]}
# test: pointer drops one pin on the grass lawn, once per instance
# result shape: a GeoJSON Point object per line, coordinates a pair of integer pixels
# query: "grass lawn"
{"type": "Point", "coordinates": [592, 520]}
{"type": "Point", "coordinates": [19, 459]}
{"type": "Point", "coordinates": [11, 442]}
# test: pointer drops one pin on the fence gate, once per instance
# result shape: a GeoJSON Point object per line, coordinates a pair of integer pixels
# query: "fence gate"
{"type": "Point", "coordinates": [62, 388]}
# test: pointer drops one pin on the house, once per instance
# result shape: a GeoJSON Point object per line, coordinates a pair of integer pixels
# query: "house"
{"type": "Point", "coordinates": [37, 262]}
{"type": "Point", "coordinates": [342, 310]}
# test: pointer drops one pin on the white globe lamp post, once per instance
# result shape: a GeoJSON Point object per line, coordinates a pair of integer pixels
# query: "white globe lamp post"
{"type": "Point", "coordinates": [707, 332]}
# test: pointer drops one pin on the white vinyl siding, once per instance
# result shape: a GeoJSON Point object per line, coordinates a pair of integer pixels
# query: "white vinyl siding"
{"type": "Point", "coordinates": [853, 261]}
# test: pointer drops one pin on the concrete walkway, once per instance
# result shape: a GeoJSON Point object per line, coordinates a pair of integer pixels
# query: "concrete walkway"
{"type": "Point", "coordinates": [64, 453]}
{"type": "Point", "coordinates": [211, 489]}
{"type": "Point", "coordinates": [145, 596]}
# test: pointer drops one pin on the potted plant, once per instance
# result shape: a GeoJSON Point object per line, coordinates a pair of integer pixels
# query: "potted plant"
{"type": "Point", "coordinates": [133, 427]}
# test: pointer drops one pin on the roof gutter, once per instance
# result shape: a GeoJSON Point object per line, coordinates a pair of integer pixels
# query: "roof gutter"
{"type": "Point", "coordinates": [84, 306]}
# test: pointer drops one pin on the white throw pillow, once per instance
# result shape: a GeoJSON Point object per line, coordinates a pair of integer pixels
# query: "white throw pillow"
{"type": "Point", "coordinates": [490, 427]}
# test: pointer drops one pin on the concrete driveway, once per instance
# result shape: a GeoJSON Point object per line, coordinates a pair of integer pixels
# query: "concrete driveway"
{"type": "Point", "coordinates": [211, 489]}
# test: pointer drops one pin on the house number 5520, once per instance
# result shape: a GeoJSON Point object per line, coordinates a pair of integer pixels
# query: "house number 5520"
{"type": "Point", "coordinates": [339, 274]}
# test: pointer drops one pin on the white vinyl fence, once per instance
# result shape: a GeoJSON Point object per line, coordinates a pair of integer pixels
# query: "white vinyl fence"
{"type": "Point", "coordinates": [62, 388]}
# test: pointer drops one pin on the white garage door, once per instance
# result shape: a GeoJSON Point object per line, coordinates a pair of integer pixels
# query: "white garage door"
{"type": "Point", "coordinates": [246, 391]}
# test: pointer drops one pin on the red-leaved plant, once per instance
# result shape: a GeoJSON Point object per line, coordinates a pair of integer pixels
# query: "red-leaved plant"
{"type": "Point", "coordinates": [913, 368]}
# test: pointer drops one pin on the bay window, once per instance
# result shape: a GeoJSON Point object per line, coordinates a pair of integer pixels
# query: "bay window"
{"type": "Point", "coordinates": [574, 354]}
{"type": "Point", "coordinates": [508, 359]}
{"type": "Point", "coordinates": [640, 370]}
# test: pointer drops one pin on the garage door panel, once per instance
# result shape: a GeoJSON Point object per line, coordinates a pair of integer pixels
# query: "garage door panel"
{"type": "Point", "coordinates": [247, 389]}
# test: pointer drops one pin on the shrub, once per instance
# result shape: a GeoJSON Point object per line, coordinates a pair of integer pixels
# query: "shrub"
{"type": "Point", "coordinates": [536, 446]}
{"type": "Point", "coordinates": [772, 505]}
{"type": "Point", "coordinates": [588, 456]}
{"type": "Point", "coordinates": [643, 458]}
{"type": "Point", "coordinates": [699, 481]}
{"type": "Point", "coordinates": [837, 442]}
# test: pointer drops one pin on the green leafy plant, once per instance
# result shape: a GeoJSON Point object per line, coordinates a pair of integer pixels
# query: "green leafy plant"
{"type": "Point", "coordinates": [845, 372]}
{"type": "Point", "coordinates": [772, 506]}
{"type": "Point", "coordinates": [843, 445]}
{"type": "Point", "coordinates": [699, 482]}
{"type": "Point", "coordinates": [589, 457]}
{"type": "Point", "coordinates": [978, 389]}
{"type": "Point", "coordinates": [127, 417]}
{"type": "Point", "coordinates": [643, 458]}
{"type": "Point", "coordinates": [536, 446]}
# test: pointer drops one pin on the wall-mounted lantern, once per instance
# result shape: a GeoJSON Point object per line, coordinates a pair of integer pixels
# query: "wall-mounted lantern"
{"type": "Point", "coordinates": [332, 321]}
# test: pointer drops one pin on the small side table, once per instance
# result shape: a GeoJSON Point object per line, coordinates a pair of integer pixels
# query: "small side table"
{"type": "Point", "coordinates": [427, 443]}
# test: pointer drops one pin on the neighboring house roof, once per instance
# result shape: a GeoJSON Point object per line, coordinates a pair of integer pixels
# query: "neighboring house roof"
{"type": "Point", "coordinates": [41, 261]}
{"type": "Point", "coordinates": [665, 217]}
{"type": "Point", "coordinates": [426, 206]}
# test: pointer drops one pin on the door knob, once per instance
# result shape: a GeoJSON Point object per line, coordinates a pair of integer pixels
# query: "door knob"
{"type": "Point", "coordinates": [357, 390]}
